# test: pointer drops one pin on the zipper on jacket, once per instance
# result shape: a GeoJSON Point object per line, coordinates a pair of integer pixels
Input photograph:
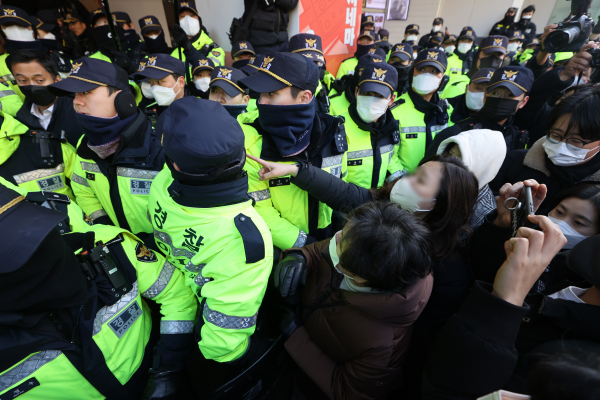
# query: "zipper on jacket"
{"type": "Point", "coordinates": [76, 324]}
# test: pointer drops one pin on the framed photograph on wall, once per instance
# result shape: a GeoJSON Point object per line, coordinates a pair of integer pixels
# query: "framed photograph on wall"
{"type": "Point", "coordinates": [379, 4]}
{"type": "Point", "coordinates": [398, 10]}
{"type": "Point", "coordinates": [378, 18]}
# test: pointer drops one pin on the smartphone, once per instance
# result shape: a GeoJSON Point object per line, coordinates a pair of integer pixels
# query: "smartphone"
{"type": "Point", "coordinates": [521, 209]}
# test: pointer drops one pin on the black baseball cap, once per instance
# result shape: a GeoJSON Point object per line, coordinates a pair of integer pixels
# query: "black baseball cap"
{"type": "Point", "coordinates": [121, 17]}
{"type": "Point", "coordinates": [367, 19]}
{"type": "Point", "coordinates": [377, 51]}
{"type": "Point", "coordinates": [14, 15]}
{"type": "Point", "coordinates": [483, 75]}
{"type": "Point", "coordinates": [366, 60]}
{"type": "Point", "coordinates": [433, 57]}
{"type": "Point", "coordinates": [72, 17]}
{"type": "Point", "coordinates": [149, 23]}
{"type": "Point", "coordinates": [368, 33]}
{"type": "Point", "coordinates": [384, 37]}
{"type": "Point", "coordinates": [439, 36]}
{"type": "Point", "coordinates": [494, 44]}
{"type": "Point", "coordinates": [450, 39]}
{"type": "Point", "coordinates": [42, 25]}
{"type": "Point", "coordinates": [242, 47]}
{"type": "Point", "coordinates": [380, 78]}
{"type": "Point", "coordinates": [516, 79]}
{"type": "Point", "coordinates": [467, 33]}
{"type": "Point", "coordinates": [97, 13]}
{"type": "Point", "coordinates": [438, 21]}
{"type": "Point", "coordinates": [202, 64]}
{"type": "Point", "coordinates": [159, 66]}
{"type": "Point", "coordinates": [253, 65]}
{"type": "Point", "coordinates": [227, 78]}
{"type": "Point", "coordinates": [412, 28]}
{"type": "Point", "coordinates": [187, 5]}
{"type": "Point", "coordinates": [515, 34]}
{"type": "Point", "coordinates": [402, 50]}
{"type": "Point", "coordinates": [284, 70]}
{"type": "Point", "coordinates": [89, 73]}
{"type": "Point", "coordinates": [307, 44]}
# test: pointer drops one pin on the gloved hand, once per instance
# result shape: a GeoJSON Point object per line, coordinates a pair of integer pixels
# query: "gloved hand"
{"type": "Point", "coordinates": [289, 273]}
{"type": "Point", "coordinates": [180, 36]}
{"type": "Point", "coordinates": [289, 322]}
{"type": "Point", "coordinates": [123, 61]}
{"type": "Point", "coordinates": [161, 385]}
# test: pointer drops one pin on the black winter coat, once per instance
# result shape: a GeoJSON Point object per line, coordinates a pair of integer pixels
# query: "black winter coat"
{"type": "Point", "coordinates": [269, 23]}
{"type": "Point", "coordinates": [461, 111]}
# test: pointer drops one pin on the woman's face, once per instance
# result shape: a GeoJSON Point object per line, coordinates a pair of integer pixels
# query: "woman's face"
{"type": "Point", "coordinates": [580, 214]}
{"type": "Point", "coordinates": [426, 182]}
{"type": "Point", "coordinates": [338, 239]}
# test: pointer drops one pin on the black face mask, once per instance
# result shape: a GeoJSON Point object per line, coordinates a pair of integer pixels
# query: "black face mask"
{"type": "Point", "coordinates": [490, 62]}
{"type": "Point", "coordinates": [38, 95]}
{"type": "Point", "coordinates": [362, 49]}
{"type": "Point", "coordinates": [496, 108]}
{"type": "Point", "coordinates": [322, 71]}
{"type": "Point", "coordinates": [240, 63]}
{"type": "Point", "coordinates": [158, 45]}
{"type": "Point", "coordinates": [103, 37]}
{"type": "Point", "coordinates": [403, 72]}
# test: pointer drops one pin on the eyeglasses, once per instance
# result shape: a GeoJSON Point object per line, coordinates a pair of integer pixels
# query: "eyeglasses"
{"type": "Point", "coordinates": [572, 143]}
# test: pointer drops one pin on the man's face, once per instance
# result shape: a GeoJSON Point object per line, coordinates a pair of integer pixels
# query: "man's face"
{"type": "Point", "coordinates": [242, 56]}
{"type": "Point", "coordinates": [168, 81]}
{"type": "Point", "coordinates": [477, 87]}
{"type": "Point", "coordinates": [482, 55]}
{"type": "Point", "coordinates": [96, 102]}
{"type": "Point", "coordinates": [219, 95]}
{"type": "Point", "coordinates": [77, 27]}
{"type": "Point", "coordinates": [185, 13]}
{"type": "Point", "coordinates": [429, 69]}
{"type": "Point", "coordinates": [391, 98]}
{"type": "Point", "coordinates": [32, 74]}
{"type": "Point", "coordinates": [100, 21]}
{"type": "Point", "coordinates": [527, 14]}
{"type": "Point", "coordinates": [368, 27]}
{"type": "Point", "coordinates": [202, 74]}
{"type": "Point", "coordinates": [365, 40]}
{"type": "Point", "coordinates": [465, 41]}
{"type": "Point", "coordinates": [283, 97]}
{"type": "Point", "coordinates": [398, 60]}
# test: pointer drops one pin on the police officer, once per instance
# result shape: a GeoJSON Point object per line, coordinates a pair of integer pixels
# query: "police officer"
{"type": "Point", "coordinates": [501, 27]}
{"type": "Point", "coordinates": [506, 93]}
{"type": "Point", "coordinates": [309, 46]}
{"type": "Point", "coordinates": [42, 111]}
{"type": "Point", "coordinates": [365, 44]}
{"type": "Point", "coordinates": [241, 53]}
{"type": "Point", "coordinates": [205, 223]}
{"type": "Point", "coordinates": [225, 89]}
{"type": "Point", "coordinates": [289, 130]}
{"type": "Point", "coordinates": [202, 68]}
{"type": "Point", "coordinates": [105, 43]}
{"type": "Point", "coordinates": [367, 22]}
{"type": "Point", "coordinates": [524, 24]}
{"type": "Point", "coordinates": [459, 63]}
{"type": "Point", "coordinates": [253, 65]}
{"type": "Point", "coordinates": [134, 44]}
{"type": "Point", "coordinates": [411, 34]}
{"type": "Point", "coordinates": [344, 91]}
{"type": "Point", "coordinates": [437, 26]}
{"type": "Point", "coordinates": [435, 40]}
{"type": "Point", "coordinates": [420, 111]}
{"type": "Point", "coordinates": [449, 45]}
{"type": "Point", "coordinates": [154, 36]}
{"type": "Point", "coordinates": [401, 58]}
{"type": "Point", "coordinates": [383, 42]}
{"type": "Point", "coordinates": [119, 155]}
{"type": "Point", "coordinates": [513, 48]}
{"type": "Point", "coordinates": [470, 102]}
{"type": "Point", "coordinates": [75, 326]}
{"type": "Point", "coordinates": [530, 48]}
{"type": "Point", "coordinates": [371, 128]}
{"type": "Point", "coordinates": [49, 43]}
{"type": "Point", "coordinates": [189, 34]}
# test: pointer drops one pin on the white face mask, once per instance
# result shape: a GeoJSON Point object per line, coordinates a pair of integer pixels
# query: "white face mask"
{"type": "Point", "coordinates": [147, 90]}
{"type": "Point", "coordinates": [370, 107]}
{"type": "Point", "coordinates": [464, 47]}
{"type": "Point", "coordinates": [573, 237]}
{"type": "Point", "coordinates": [403, 193]}
{"type": "Point", "coordinates": [436, 28]}
{"type": "Point", "coordinates": [474, 100]}
{"type": "Point", "coordinates": [560, 154]}
{"type": "Point", "coordinates": [164, 96]}
{"type": "Point", "coordinates": [415, 54]}
{"type": "Point", "coordinates": [525, 16]}
{"type": "Point", "coordinates": [49, 36]}
{"type": "Point", "coordinates": [191, 26]}
{"type": "Point", "coordinates": [412, 37]}
{"type": "Point", "coordinates": [335, 259]}
{"type": "Point", "coordinates": [425, 83]}
{"type": "Point", "coordinates": [153, 36]}
{"type": "Point", "coordinates": [18, 34]}
{"type": "Point", "coordinates": [202, 83]}
{"type": "Point", "coordinates": [450, 49]}
{"type": "Point", "coordinates": [513, 46]}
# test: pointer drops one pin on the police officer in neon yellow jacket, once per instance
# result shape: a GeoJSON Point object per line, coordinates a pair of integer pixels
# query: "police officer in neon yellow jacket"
{"type": "Point", "coordinates": [289, 130]}
{"type": "Point", "coordinates": [225, 89]}
{"type": "Point", "coordinates": [371, 128]}
{"type": "Point", "coordinates": [119, 155]}
{"type": "Point", "coordinates": [69, 329]}
{"type": "Point", "coordinates": [365, 44]}
{"type": "Point", "coordinates": [204, 222]}
{"type": "Point", "coordinates": [420, 111]}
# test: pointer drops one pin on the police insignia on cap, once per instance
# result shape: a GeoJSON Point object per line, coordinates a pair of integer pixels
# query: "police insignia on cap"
{"type": "Point", "coordinates": [148, 21]}
{"type": "Point", "coordinates": [384, 38]}
{"type": "Point", "coordinates": [489, 74]}
{"type": "Point", "coordinates": [8, 11]}
{"type": "Point", "coordinates": [310, 43]}
{"type": "Point", "coordinates": [224, 73]}
{"type": "Point", "coordinates": [307, 55]}
{"type": "Point", "coordinates": [142, 66]}
{"type": "Point", "coordinates": [372, 51]}
{"type": "Point", "coordinates": [251, 60]}
{"type": "Point", "coordinates": [369, 18]}
{"type": "Point", "coordinates": [509, 75]}
{"type": "Point", "coordinates": [184, 4]}
{"type": "Point", "coordinates": [432, 55]}
{"type": "Point", "coordinates": [97, 11]}
{"type": "Point", "coordinates": [267, 63]}
{"type": "Point", "coordinates": [243, 45]}
{"type": "Point", "coordinates": [151, 60]}
{"type": "Point", "coordinates": [203, 62]}
{"type": "Point", "coordinates": [498, 42]}
{"type": "Point", "coordinates": [76, 67]}
{"type": "Point", "coordinates": [379, 73]}
{"type": "Point", "coordinates": [377, 60]}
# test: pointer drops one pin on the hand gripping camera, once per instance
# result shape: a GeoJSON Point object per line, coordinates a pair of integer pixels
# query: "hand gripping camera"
{"type": "Point", "coordinates": [572, 33]}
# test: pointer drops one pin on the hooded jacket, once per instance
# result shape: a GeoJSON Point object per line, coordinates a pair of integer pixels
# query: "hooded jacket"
{"type": "Point", "coordinates": [353, 344]}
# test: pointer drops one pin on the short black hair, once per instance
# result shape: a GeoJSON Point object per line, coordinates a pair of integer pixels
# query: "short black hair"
{"type": "Point", "coordinates": [589, 191]}
{"type": "Point", "coordinates": [112, 90]}
{"type": "Point", "coordinates": [583, 109]}
{"type": "Point", "coordinates": [28, 56]}
{"type": "Point", "coordinates": [295, 91]}
{"type": "Point", "coordinates": [387, 246]}
{"type": "Point", "coordinates": [176, 76]}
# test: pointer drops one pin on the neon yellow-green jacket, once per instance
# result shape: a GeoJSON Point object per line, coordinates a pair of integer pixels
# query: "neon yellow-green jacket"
{"type": "Point", "coordinates": [251, 113]}
{"type": "Point", "coordinates": [21, 162]}
{"type": "Point", "coordinates": [226, 255]}
{"type": "Point", "coordinates": [347, 67]}
{"type": "Point", "coordinates": [338, 103]}
{"type": "Point", "coordinates": [458, 81]}
{"type": "Point", "coordinates": [328, 80]}
{"type": "Point", "coordinates": [412, 133]}
{"type": "Point", "coordinates": [10, 102]}
{"type": "Point", "coordinates": [217, 55]}
{"type": "Point", "coordinates": [7, 77]}
{"type": "Point", "coordinates": [525, 55]}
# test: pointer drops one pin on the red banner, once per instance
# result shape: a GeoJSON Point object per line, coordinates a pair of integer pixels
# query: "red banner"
{"type": "Point", "coordinates": [338, 24]}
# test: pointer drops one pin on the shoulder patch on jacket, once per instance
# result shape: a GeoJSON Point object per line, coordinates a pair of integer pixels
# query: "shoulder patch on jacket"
{"type": "Point", "coordinates": [118, 239]}
{"type": "Point", "coordinates": [254, 244]}
{"type": "Point", "coordinates": [143, 254]}
{"type": "Point", "coordinates": [397, 103]}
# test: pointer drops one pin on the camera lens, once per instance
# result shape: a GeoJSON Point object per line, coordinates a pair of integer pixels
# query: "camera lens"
{"type": "Point", "coordinates": [559, 39]}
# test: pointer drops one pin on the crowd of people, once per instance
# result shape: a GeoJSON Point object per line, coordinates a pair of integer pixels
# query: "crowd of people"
{"type": "Point", "coordinates": [177, 228]}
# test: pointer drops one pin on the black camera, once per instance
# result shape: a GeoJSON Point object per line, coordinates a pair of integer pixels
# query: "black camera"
{"type": "Point", "coordinates": [572, 33]}
{"type": "Point", "coordinates": [595, 62]}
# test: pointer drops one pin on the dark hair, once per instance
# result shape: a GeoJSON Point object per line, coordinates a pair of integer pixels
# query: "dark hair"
{"type": "Point", "coordinates": [28, 56]}
{"type": "Point", "coordinates": [448, 221]}
{"type": "Point", "coordinates": [583, 107]}
{"type": "Point", "coordinates": [387, 246]}
{"type": "Point", "coordinates": [584, 191]}
{"type": "Point", "coordinates": [176, 76]}
{"type": "Point", "coordinates": [295, 91]}
{"type": "Point", "coordinates": [112, 90]}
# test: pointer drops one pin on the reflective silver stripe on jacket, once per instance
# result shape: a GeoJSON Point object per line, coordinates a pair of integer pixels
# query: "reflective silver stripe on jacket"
{"type": "Point", "coordinates": [386, 149]}
{"type": "Point", "coordinates": [176, 327]}
{"type": "Point", "coordinates": [97, 214]}
{"type": "Point", "coordinates": [107, 312]}
{"type": "Point", "coordinates": [200, 279]}
{"type": "Point", "coordinates": [395, 176]}
{"type": "Point", "coordinates": [166, 239]}
{"type": "Point", "coordinates": [332, 161]}
{"type": "Point", "coordinates": [228, 321]}
{"type": "Point", "coordinates": [26, 367]}
{"type": "Point", "coordinates": [413, 129]}
{"type": "Point", "coordinates": [90, 167]}
{"type": "Point", "coordinates": [260, 195]}
{"type": "Point", "coordinates": [352, 155]}
{"type": "Point", "coordinates": [78, 179]}
{"type": "Point", "coordinates": [38, 174]}
{"type": "Point", "coordinates": [4, 93]}
{"type": "Point", "coordinates": [161, 282]}
{"type": "Point", "coordinates": [435, 128]}
{"type": "Point", "coordinates": [136, 173]}
{"type": "Point", "coordinates": [301, 239]}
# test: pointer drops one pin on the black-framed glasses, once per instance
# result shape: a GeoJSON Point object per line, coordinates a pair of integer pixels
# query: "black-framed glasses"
{"type": "Point", "coordinates": [572, 143]}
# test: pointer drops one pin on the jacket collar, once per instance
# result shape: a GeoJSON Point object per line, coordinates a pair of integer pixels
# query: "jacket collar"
{"type": "Point", "coordinates": [383, 126]}
{"type": "Point", "coordinates": [208, 196]}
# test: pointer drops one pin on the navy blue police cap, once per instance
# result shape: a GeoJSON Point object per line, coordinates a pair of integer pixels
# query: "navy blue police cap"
{"type": "Point", "coordinates": [49, 16]}
{"type": "Point", "coordinates": [72, 17]}
{"type": "Point", "coordinates": [39, 24]}
{"type": "Point", "coordinates": [412, 28]}
{"type": "Point", "coordinates": [89, 73]}
{"type": "Point", "coordinates": [384, 37]}
{"type": "Point", "coordinates": [306, 43]}
{"type": "Point", "coordinates": [467, 33]}
{"type": "Point", "coordinates": [121, 17]}
{"type": "Point", "coordinates": [200, 135]}
{"type": "Point", "coordinates": [402, 50]}
{"type": "Point", "coordinates": [149, 23]}
{"type": "Point", "coordinates": [377, 51]}
{"type": "Point", "coordinates": [368, 33]}
{"type": "Point", "coordinates": [159, 66]}
{"type": "Point", "coordinates": [202, 64]}
{"type": "Point", "coordinates": [516, 79]}
{"type": "Point", "coordinates": [253, 65]}
{"type": "Point", "coordinates": [438, 21]}
{"type": "Point", "coordinates": [439, 36]}
{"type": "Point", "coordinates": [531, 43]}
{"type": "Point", "coordinates": [366, 19]}
{"type": "Point", "coordinates": [97, 13]}
{"type": "Point", "coordinates": [365, 60]}
{"type": "Point", "coordinates": [15, 15]}
{"type": "Point", "coordinates": [434, 57]}
{"type": "Point", "coordinates": [188, 5]}
{"type": "Point", "coordinates": [515, 34]}
{"type": "Point", "coordinates": [494, 44]}
{"type": "Point", "coordinates": [242, 47]}
{"type": "Point", "coordinates": [484, 75]}
{"type": "Point", "coordinates": [227, 78]}
{"type": "Point", "coordinates": [380, 78]}
{"type": "Point", "coordinates": [284, 70]}
{"type": "Point", "coordinates": [450, 39]}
